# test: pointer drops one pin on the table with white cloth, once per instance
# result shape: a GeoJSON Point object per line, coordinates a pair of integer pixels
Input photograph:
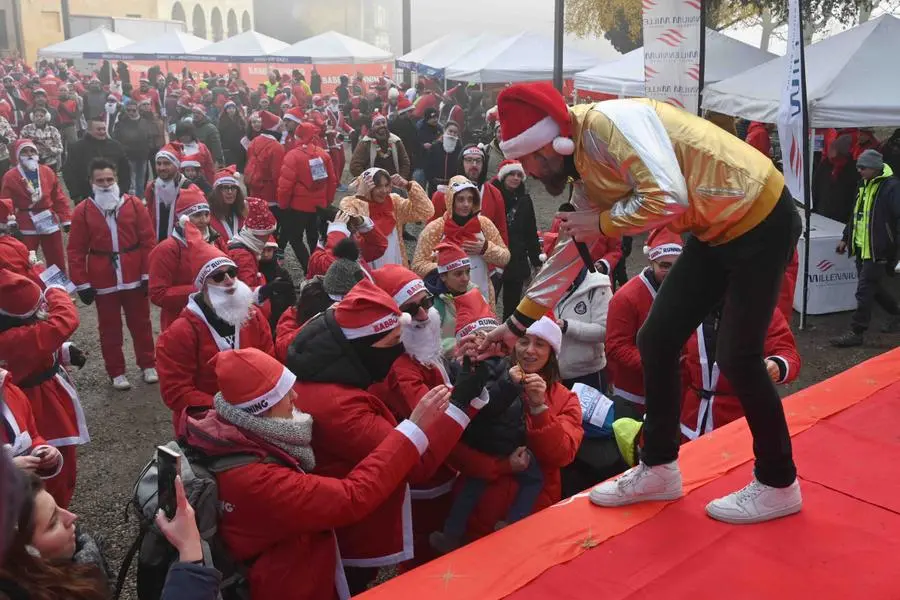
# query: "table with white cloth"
{"type": "Point", "coordinates": [832, 276]}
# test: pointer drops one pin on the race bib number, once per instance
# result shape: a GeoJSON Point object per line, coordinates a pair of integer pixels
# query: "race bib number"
{"type": "Point", "coordinates": [53, 276]}
{"type": "Point", "coordinates": [44, 223]}
{"type": "Point", "coordinates": [317, 168]}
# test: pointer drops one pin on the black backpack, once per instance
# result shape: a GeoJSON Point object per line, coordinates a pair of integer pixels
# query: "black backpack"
{"type": "Point", "coordinates": [155, 554]}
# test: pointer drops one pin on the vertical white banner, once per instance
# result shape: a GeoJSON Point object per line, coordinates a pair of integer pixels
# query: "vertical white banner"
{"type": "Point", "coordinates": [792, 111]}
{"type": "Point", "coordinates": [672, 61]}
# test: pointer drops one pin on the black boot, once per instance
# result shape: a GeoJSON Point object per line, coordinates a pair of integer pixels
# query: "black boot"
{"type": "Point", "coordinates": [848, 340]}
{"type": "Point", "coordinates": [892, 325]}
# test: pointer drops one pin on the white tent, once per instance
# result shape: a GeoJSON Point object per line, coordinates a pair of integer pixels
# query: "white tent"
{"type": "Point", "coordinates": [94, 41]}
{"type": "Point", "coordinates": [332, 47]}
{"type": "Point", "coordinates": [174, 43]}
{"type": "Point", "coordinates": [846, 81]}
{"type": "Point", "coordinates": [250, 44]}
{"type": "Point", "coordinates": [624, 77]}
{"type": "Point", "coordinates": [522, 57]}
{"type": "Point", "coordinates": [432, 58]}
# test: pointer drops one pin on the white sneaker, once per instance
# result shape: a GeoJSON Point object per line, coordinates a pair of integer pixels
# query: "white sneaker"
{"type": "Point", "coordinates": [756, 503]}
{"type": "Point", "coordinates": [121, 383]}
{"type": "Point", "coordinates": [151, 376]}
{"type": "Point", "coordinates": [640, 484]}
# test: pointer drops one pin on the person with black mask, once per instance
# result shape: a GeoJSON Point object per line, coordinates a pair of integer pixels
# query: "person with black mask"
{"type": "Point", "coordinates": [428, 132]}
{"type": "Point", "coordinates": [336, 357]}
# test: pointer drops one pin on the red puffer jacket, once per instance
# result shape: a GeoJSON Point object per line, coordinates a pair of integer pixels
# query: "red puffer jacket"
{"type": "Point", "coordinates": [307, 179]}
{"type": "Point", "coordinates": [264, 158]}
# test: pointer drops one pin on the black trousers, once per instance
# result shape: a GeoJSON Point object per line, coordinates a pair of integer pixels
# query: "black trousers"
{"type": "Point", "coordinates": [619, 275]}
{"type": "Point", "coordinates": [869, 290]}
{"type": "Point", "coordinates": [744, 275]}
{"type": "Point", "coordinates": [293, 224]}
{"type": "Point", "coordinates": [512, 294]}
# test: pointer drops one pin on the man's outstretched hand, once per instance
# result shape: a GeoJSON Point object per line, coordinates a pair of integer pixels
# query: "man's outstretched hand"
{"type": "Point", "coordinates": [496, 343]}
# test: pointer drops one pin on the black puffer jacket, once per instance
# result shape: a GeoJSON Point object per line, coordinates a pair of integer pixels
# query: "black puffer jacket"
{"type": "Point", "coordinates": [320, 353]}
{"type": "Point", "coordinates": [524, 249]}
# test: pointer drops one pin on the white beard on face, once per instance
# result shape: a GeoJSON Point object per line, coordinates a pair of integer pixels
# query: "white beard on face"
{"type": "Point", "coordinates": [234, 308]}
{"type": "Point", "coordinates": [422, 340]}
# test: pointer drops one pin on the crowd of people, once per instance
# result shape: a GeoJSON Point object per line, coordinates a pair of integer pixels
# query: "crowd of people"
{"type": "Point", "coordinates": [391, 411]}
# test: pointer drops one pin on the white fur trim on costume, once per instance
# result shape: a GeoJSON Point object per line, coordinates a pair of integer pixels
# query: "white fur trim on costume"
{"type": "Point", "coordinates": [658, 252]}
{"type": "Point", "coordinates": [511, 168]}
{"type": "Point", "coordinates": [367, 225]}
{"type": "Point", "coordinates": [193, 210]}
{"type": "Point", "coordinates": [473, 150]}
{"type": "Point", "coordinates": [457, 415]}
{"type": "Point", "coordinates": [227, 180]}
{"type": "Point", "coordinates": [481, 400]}
{"type": "Point", "coordinates": [334, 226]}
{"type": "Point", "coordinates": [166, 155]}
{"type": "Point", "coordinates": [293, 118]}
{"type": "Point", "coordinates": [476, 325]}
{"type": "Point", "coordinates": [784, 363]}
{"type": "Point", "coordinates": [210, 267]}
{"type": "Point", "coordinates": [542, 257]}
{"type": "Point", "coordinates": [414, 434]}
{"type": "Point", "coordinates": [27, 314]}
{"type": "Point", "coordinates": [537, 136]}
{"type": "Point", "coordinates": [183, 219]}
{"type": "Point", "coordinates": [456, 264]}
{"type": "Point", "coordinates": [408, 291]}
{"type": "Point", "coordinates": [266, 401]}
{"type": "Point", "coordinates": [65, 356]}
{"type": "Point", "coordinates": [381, 325]}
{"type": "Point", "coordinates": [335, 297]}
{"type": "Point", "coordinates": [190, 162]}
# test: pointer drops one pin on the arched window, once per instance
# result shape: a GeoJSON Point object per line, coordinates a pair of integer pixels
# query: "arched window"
{"type": "Point", "coordinates": [199, 22]}
{"type": "Point", "coordinates": [246, 25]}
{"type": "Point", "coordinates": [232, 23]}
{"type": "Point", "coordinates": [215, 18]}
{"type": "Point", "coordinates": [178, 13]}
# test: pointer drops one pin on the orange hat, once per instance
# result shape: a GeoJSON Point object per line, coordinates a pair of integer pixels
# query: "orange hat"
{"type": "Point", "coordinates": [260, 220]}
{"type": "Point", "coordinates": [367, 310]}
{"type": "Point", "coordinates": [20, 297]}
{"type": "Point", "coordinates": [662, 242]}
{"type": "Point", "coordinates": [399, 282]}
{"type": "Point", "coordinates": [251, 380]}
{"type": "Point", "coordinates": [190, 201]}
{"type": "Point", "coordinates": [533, 115]}
{"type": "Point", "coordinates": [205, 258]}
{"type": "Point", "coordinates": [473, 313]}
{"type": "Point", "coordinates": [227, 176]}
{"type": "Point", "coordinates": [451, 257]}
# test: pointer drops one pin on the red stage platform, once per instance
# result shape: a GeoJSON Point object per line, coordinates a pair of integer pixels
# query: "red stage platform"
{"type": "Point", "coordinates": [844, 544]}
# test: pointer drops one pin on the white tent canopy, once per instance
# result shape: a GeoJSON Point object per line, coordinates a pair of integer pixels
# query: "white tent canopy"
{"type": "Point", "coordinates": [523, 57]}
{"type": "Point", "coordinates": [624, 77]}
{"type": "Point", "coordinates": [846, 82]}
{"type": "Point", "coordinates": [173, 43]}
{"type": "Point", "coordinates": [332, 47]}
{"type": "Point", "coordinates": [250, 44]}
{"type": "Point", "coordinates": [434, 57]}
{"type": "Point", "coordinates": [96, 40]}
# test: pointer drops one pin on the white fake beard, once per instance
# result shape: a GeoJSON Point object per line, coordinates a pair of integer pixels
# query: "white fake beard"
{"type": "Point", "coordinates": [191, 148]}
{"type": "Point", "coordinates": [422, 340]}
{"type": "Point", "coordinates": [450, 143]}
{"type": "Point", "coordinates": [234, 308]}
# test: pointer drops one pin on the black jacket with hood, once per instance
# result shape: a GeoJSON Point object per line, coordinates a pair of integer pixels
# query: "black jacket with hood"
{"type": "Point", "coordinates": [322, 354]}
{"type": "Point", "coordinates": [524, 248]}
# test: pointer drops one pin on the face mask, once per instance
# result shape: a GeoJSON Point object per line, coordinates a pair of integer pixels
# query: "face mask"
{"type": "Point", "coordinates": [378, 361]}
{"type": "Point", "coordinates": [450, 143]}
{"type": "Point", "coordinates": [107, 198]}
{"type": "Point", "coordinates": [30, 163]}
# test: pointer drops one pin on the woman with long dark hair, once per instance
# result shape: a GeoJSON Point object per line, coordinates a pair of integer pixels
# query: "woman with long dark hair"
{"type": "Point", "coordinates": [232, 129]}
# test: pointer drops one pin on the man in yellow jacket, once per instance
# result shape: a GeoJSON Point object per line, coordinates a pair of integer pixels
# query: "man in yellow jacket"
{"type": "Point", "coordinates": [638, 165]}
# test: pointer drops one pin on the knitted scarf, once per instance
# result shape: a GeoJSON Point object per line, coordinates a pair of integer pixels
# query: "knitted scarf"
{"type": "Point", "coordinates": [253, 243]}
{"type": "Point", "coordinates": [291, 435]}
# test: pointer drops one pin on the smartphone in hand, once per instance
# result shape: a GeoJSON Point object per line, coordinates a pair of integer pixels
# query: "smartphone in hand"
{"type": "Point", "coordinates": [168, 464]}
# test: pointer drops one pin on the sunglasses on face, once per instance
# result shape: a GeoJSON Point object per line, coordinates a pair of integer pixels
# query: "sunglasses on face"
{"type": "Point", "coordinates": [413, 309]}
{"type": "Point", "coordinates": [219, 277]}
{"type": "Point", "coordinates": [228, 188]}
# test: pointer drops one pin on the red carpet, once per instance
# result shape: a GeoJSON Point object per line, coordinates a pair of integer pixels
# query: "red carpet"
{"type": "Point", "coordinates": [844, 544]}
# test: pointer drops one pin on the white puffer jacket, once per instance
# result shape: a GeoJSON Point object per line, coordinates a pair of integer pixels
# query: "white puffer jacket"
{"type": "Point", "coordinates": [584, 311]}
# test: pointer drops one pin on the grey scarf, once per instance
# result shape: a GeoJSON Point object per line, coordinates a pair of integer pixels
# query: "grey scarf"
{"type": "Point", "coordinates": [291, 435]}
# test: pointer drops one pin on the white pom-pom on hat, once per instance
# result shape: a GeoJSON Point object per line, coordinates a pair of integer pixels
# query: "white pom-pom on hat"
{"type": "Point", "coordinates": [564, 146]}
{"type": "Point", "coordinates": [405, 318]}
{"type": "Point", "coordinates": [183, 219]}
{"type": "Point", "coordinates": [542, 257]}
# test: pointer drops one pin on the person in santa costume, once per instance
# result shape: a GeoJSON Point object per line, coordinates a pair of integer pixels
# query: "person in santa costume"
{"type": "Point", "coordinates": [109, 254]}
{"type": "Point", "coordinates": [464, 225]}
{"type": "Point", "coordinates": [342, 235]}
{"type": "Point", "coordinates": [450, 280]}
{"type": "Point", "coordinates": [307, 183]}
{"type": "Point", "coordinates": [14, 255]}
{"type": "Point", "coordinates": [247, 246]}
{"type": "Point", "coordinates": [43, 323]}
{"type": "Point", "coordinates": [628, 309]}
{"type": "Point", "coordinates": [336, 357]}
{"type": "Point", "coordinates": [264, 158]}
{"type": "Point", "coordinates": [391, 212]}
{"type": "Point", "coordinates": [228, 204]}
{"type": "Point", "coordinates": [291, 119]}
{"type": "Point", "coordinates": [162, 193]}
{"type": "Point", "coordinates": [192, 170]}
{"type": "Point", "coordinates": [20, 436]}
{"type": "Point", "coordinates": [146, 92]}
{"type": "Point", "coordinates": [171, 274]}
{"type": "Point", "coordinates": [336, 130]}
{"type": "Point", "coordinates": [473, 165]}
{"type": "Point", "coordinates": [709, 400]}
{"type": "Point", "coordinates": [639, 164]}
{"type": "Point", "coordinates": [280, 516]}
{"type": "Point", "coordinates": [220, 315]}
{"type": "Point", "coordinates": [42, 207]}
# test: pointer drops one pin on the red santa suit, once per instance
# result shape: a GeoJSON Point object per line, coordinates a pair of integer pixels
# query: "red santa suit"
{"type": "Point", "coordinates": [231, 224]}
{"type": "Point", "coordinates": [109, 252]}
{"type": "Point", "coordinates": [264, 157]}
{"type": "Point", "coordinates": [278, 517]}
{"type": "Point", "coordinates": [336, 129]}
{"type": "Point", "coordinates": [19, 433]}
{"type": "Point", "coordinates": [708, 399]}
{"type": "Point", "coordinates": [200, 157]}
{"type": "Point", "coordinates": [151, 94]}
{"type": "Point", "coordinates": [246, 246]}
{"type": "Point", "coordinates": [371, 242]}
{"type": "Point", "coordinates": [307, 179]}
{"type": "Point", "coordinates": [160, 196]}
{"type": "Point", "coordinates": [40, 373]}
{"type": "Point", "coordinates": [41, 211]}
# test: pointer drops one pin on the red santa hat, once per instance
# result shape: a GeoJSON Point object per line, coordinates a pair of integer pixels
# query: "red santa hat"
{"type": "Point", "coordinates": [550, 240]}
{"type": "Point", "coordinates": [20, 297]}
{"type": "Point", "coordinates": [306, 132]}
{"type": "Point", "coordinates": [21, 144]}
{"type": "Point", "coordinates": [403, 104]}
{"type": "Point", "coordinates": [473, 314]}
{"type": "Point", "coordinates": [546, 329]}
{"type": "Point", "coordinates": [271, 243]}
{"type": "Point", "coordinates": [190, 202]}
{"type": "Point", "coordinates": [144, 78]}
{"type": "Point", "coordinates": [171, 152]}
{"type": "Point", "coordinates": [227, 176]}
{"type": "Point", "coordinates": [451, 257]}
{"type": "Point", "coordinates": [367, 310]}
{"type": "Point", "coordinates": [260, 220]}
{"type": "Point", "coordinates": [269, 120]}
{"type": "Point", "coordinates": [296, 115]}
{"type": "Point", "coordinates": [190, 161]}
{"type": "Point", "coordinates": [7, 211]}
{"type": "Point", "coordinates": [251, 380]}
{"type": "Point", "coordinates": [661, 243]}
{"type": "Point", "coordinates": [533, 115]}
{"type": "Point", "coordinates": [206, 259]}
{"type": "Point", "coordinates": [510, 166]}
{"type": "Point", "coordinates": [399, 282]}
{"type": "Point", "coordinates": [376, 117]}
{"type": "Point", "coordinates": [199, 109]}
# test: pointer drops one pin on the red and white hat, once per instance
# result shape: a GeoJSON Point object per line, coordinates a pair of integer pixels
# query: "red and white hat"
{"type": "Point", "coordinates": [550, 241]}
{"type": "Point", "coordinates": [399, 282]}
{"type": "Point", "coordinates": [377, 116]}
{"type": "Point", "coordinates": [269, 120]}
{"type": "Point", "coordinates": [367, 310]}
{"type": "Point", "coordinates": [547, 329]}
{"type": "Point", "coordinates": [451, 257]}
{"type": "Point", "coordinates": [20, 297]}
{"type": "Point", "coordinates": [533, 115]}
{"type": "Point", "coordinates": [227, 176]}
{"type": "Point", "coordinates": [191, 161]}
{"type": "Point", "coordinates": [205, 258]}
{"type": "Point", "coordinates": [271, 243]}
{"type": "Point", "coordinates": [473, 314]}
{"type": "Point", "coordinates": [404, 105]}
{"type": "Point", "coordinates": [662, 242]}
{"type": "Point", "coordinates": [21, 144]}
{"type": "Point", "coordinates": [510, 166]}
{"type": "Point", "coordinates": [296, 115]}
{"type": "Point", "coordinates": [251, 380]}
{"type": "Point", "coordinates": [260, 220]}
{"type": "Point", "coordinates": [171, 152]}
{"type": "Point", "coordinates": [199, 109]}
{"type": "Point", "coordinates": [190, 202]}
{"type": "Point", "coordinates": [7, 211]}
